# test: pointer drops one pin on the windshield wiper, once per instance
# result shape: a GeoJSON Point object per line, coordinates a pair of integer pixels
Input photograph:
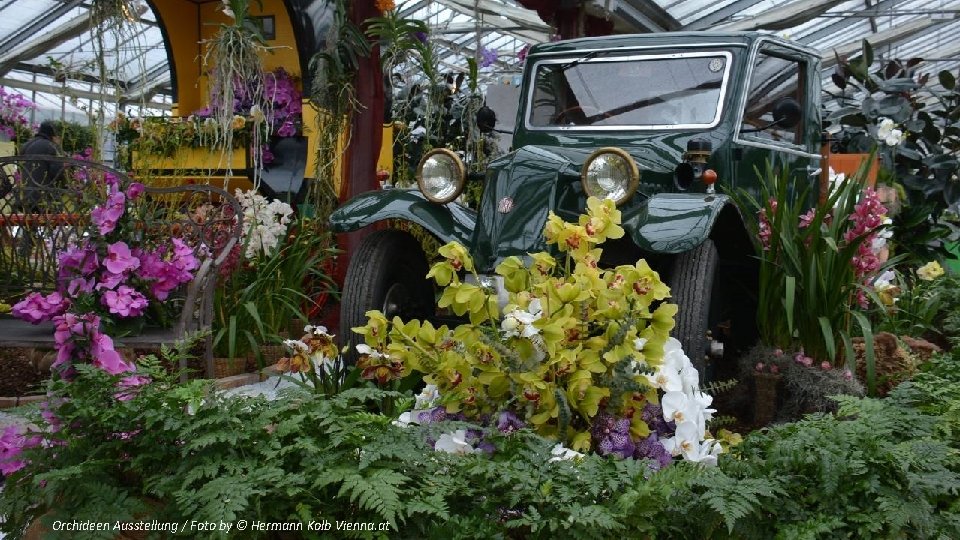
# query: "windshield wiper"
{"type": "Point", "coordinates": [582, 59]}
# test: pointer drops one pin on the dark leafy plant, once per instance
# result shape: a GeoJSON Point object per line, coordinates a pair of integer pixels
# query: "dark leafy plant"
{"type": "Point", "coordinates": [926, 162]}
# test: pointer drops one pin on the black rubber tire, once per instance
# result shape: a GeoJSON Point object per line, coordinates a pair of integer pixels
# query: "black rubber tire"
{"type": "Point", "coordinates": [388, 261]}
{"type": "Point", "coordinates": [692, 288]}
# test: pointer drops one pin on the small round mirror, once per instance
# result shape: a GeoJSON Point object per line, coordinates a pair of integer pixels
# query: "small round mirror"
{"type": "Point", "coordinates": [787, 113]}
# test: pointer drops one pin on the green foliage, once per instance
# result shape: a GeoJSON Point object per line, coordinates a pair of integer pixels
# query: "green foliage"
{"type": "Point", "coordinates": [258, 300]}
{"type": "Point", "coordinates": [916, 304]}
{"type": "Point", "coordinates": [925, 163]}
{"type": "Point", "coordinates": [809, 286]}
{"type": "Point", "coordinates": [885, 468]}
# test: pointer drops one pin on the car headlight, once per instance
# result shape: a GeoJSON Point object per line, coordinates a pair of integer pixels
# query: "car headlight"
{"type": "Point", "coordinates": [610, 173]}
{"type": "Point", "coordinates": [441, 175]}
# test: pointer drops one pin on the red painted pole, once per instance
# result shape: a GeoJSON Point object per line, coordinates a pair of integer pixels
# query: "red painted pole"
{"type": "Point", "coordinates": [366, 133]}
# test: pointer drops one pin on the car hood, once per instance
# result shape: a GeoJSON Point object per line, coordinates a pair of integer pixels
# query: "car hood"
{"type": "Point", "coordinates": [525, 185]}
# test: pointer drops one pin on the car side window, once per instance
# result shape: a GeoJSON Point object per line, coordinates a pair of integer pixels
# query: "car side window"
{"type": "Point", "coordinates": [775, 76]}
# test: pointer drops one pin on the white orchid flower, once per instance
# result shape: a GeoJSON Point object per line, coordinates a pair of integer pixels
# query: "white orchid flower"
{"type": "Point", "coordinates": [707, 453]}
{"type": "Point", "coordinates": [454, 443]}
{"type": "Point", "coordinates": [561, 452]}
{"type": "Point", "coordinates": [367, 350]}
{"type": "Point", "coordinates": [894, 138]}
{"type": "Point", "coordinates": [520, 322]}
{"type": "Point", "coordinates": [690, 378]}
{"type": "Point", "coordinates": [667, 379]}
{"type": "Point", "coordinates": [679, 407]}
{"type": "Point", "coordinates": [428, 397]}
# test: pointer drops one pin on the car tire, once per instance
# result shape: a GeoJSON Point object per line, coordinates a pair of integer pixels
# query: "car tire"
{"type": "Point", "coordinates": [692, 288]}
{"type": "Point", "coordinates": [387, 273]}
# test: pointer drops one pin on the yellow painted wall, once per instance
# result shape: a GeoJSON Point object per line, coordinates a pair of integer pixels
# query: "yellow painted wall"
{"type": "Point", "coordinates": [189, 24]}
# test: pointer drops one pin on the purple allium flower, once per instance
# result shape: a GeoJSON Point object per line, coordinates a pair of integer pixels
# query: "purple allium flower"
{"type": "Point", "coordinates": [509, 422]}
{"type": "Point", "coordinates": [651, 448]}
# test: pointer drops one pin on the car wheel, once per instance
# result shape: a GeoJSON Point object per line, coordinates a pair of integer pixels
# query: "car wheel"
{"type": "Point", "coordinates": [386, 273]}
{"type": "Point", "coordinates": [692, 288]}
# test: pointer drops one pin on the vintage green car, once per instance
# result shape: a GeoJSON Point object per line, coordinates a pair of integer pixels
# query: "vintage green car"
{"type": "Point", "coordinates": [652, 121]}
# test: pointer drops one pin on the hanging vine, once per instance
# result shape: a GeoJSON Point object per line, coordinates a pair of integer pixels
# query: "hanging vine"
{"type": "Point", "coordinates": [114, 27]}
{"type": "Point", "coordinates": [236, 74]}
{"type": "Point", "coordinates": [334, 94]}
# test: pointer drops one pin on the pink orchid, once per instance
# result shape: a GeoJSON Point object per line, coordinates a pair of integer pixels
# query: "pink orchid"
{"type": "Point", "coordinates": [119, 259]}
{"type": "Point", "coordinates": [106, 357]}
{"type": "Point", "coordinates": [36, 308]}
{"type": "Point", "coordinates": [125, 301]}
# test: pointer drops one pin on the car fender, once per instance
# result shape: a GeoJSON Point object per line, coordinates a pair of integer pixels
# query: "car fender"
{"type": "Point", "coordinates": [448, 222]}
{"type": "Point", "coordinates": [674, 222]}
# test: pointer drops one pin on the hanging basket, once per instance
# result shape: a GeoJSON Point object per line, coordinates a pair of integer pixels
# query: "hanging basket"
{"type": "Point", "coordinates": [765, 400]}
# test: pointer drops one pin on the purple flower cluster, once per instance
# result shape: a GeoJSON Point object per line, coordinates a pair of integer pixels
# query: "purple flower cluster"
{"type": "Point", "coordinates": [281, 90]}
{"type": "Point", "coordinates": [611, 436]}
{"type": "Point", "coordinates": [104, 272]}
{"type": "Point", "coordinates": [651, 448]}
{"type": "Point", "coordinates": [13, 109]}
{"type": "Point", "coordinates": [488, 57]}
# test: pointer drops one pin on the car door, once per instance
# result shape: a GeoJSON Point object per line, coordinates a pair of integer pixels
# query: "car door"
{"type": "Point", "coordinates": [778, 72]}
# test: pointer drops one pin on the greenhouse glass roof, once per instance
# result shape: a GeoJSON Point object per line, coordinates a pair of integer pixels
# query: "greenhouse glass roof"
{"type": "Point", "coordinates": [47, 47]}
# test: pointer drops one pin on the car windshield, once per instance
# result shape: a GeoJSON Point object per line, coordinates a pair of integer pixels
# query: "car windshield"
{"type": "Point", "coordinates": [664, 91]}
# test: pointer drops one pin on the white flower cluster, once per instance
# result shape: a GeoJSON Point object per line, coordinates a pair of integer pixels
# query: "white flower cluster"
{"type": "Point", "coordinates": [264, 222]}
{"type": "Point", "coordinates": [684, 404]}
{"type": "Point", "coordinates": [888, 133]}
{"type": "Point", "coordinates": [520, 322]}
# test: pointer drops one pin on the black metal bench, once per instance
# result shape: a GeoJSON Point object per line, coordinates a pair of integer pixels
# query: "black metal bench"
{"type": "Point", "coordinates": [40, 217]}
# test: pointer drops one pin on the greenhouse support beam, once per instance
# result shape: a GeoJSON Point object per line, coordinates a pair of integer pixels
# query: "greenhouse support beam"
{"type": "Point", "coordinates": [10, 56]}
{"type": "Point", "coordinates": [720, 15]}
{"type": "Point", "coordinates": [782, 17]}
{"type": "Point", "coordinates": [880, 39]}
{"type": "Point", "coordinates": [37, 25]}
{"type": "Point", "coordinates": [75, 92]}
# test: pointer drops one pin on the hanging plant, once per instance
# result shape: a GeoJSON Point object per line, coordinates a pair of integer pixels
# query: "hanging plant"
{"type": "Point", "coordinates": [237, 83]}
{"type": "Point", "coordinates": [333, 92]}
{"type": "Point", "coordinates": [117, 20]}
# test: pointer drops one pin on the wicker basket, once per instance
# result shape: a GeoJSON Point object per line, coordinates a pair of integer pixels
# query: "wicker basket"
{"type": "Point", "coordinates": [765, 402]}
{"type": "Point", "coordinates": [227, 367]}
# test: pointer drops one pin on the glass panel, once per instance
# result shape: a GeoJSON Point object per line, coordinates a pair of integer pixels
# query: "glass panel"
{"type": "Point", "coordinates": [774, 78]}
{"type": "Point", "coordinates": [635, 91]}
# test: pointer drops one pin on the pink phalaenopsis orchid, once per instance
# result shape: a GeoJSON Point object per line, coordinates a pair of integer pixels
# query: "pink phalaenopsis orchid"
{"type": "Point", "coordinates": [37, 308]}
{"type": "Point", "coordinates": [119, 259]}
{"type": "Point", "coordinates": [125, 301]}
{"type": "Point", "coordinates": [13, 441]}
{"type": "Point", "coordinates": [106, 217]}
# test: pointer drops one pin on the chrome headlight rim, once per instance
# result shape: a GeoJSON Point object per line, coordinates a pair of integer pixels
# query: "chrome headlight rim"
{"type": "Point", "coordinates": [461, 171]}
{"type": "Point", "coordinates": [633, 169]}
